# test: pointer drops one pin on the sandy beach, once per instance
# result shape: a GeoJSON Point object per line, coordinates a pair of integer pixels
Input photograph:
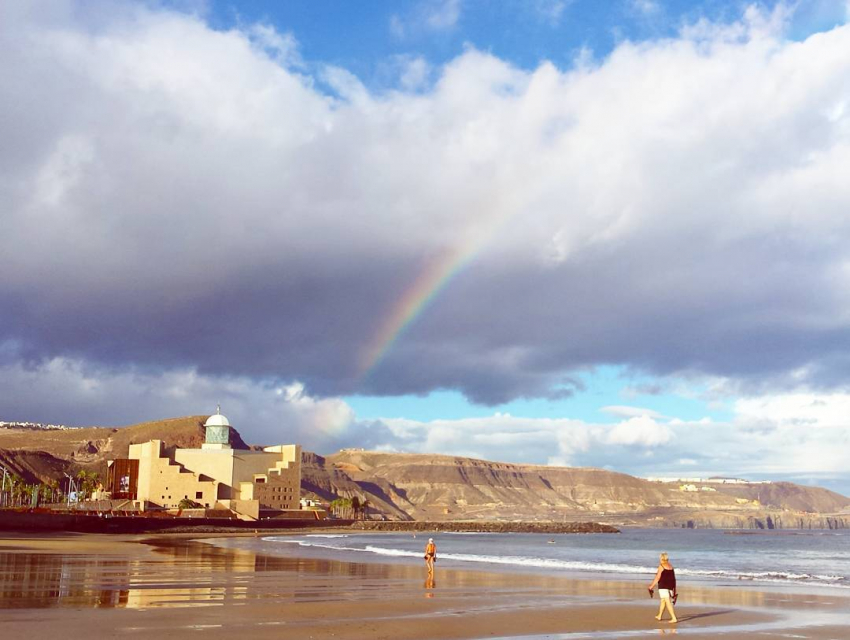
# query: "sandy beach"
{"type": "Point", "coordinates": [175, 586]}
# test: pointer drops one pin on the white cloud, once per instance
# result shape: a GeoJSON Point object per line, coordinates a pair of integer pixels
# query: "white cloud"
{"type": "Point", "coordinates": [551, 11]}
{"type": "Point", "coordinates": [532, 440]}
{"type": "Point", "coordinates": [756, 25]}
{"type": "Point", "coordinates": [641, 430]}
{"type": "Point", "coordinates": [413, 73]}
{"type": "Point", "coordinates": [64, 169]}
{"type": "Point", "coordinates": [646, 7]}
{"type": "Point", "coordinates": [180, 197]}
{"type": "Point", "coordinates": [630, 412]}
{"type": "Point", "coordinates": [397, 28]}
{"type": "Point", "coordinates": [426, 18]}
{"type": "Point", "coordinates": [798, 436]}
{"type": "Point", "coordinates": [283, 47]}
{"type": "Point", "coordinates": [442, 14]}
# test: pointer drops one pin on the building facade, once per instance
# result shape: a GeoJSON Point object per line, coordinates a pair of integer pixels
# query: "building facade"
{"type": "Point", "coordinates": [216, 476]}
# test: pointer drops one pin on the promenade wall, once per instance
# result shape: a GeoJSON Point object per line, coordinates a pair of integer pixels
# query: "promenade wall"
{"type": "Point", "coordinates": [11, 520]}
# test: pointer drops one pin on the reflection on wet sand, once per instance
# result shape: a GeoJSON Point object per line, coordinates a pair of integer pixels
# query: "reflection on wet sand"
{"type": "Point", "coordinates": [43, 580]}
{"type": "Point", "coordinates": [188, 573]}
{"type": "Point", "coordinates": [180, 574]}
{"type": "Point", "coordinates": [430, 583]}
{"type": "Point", "coordinates": [320, 594]}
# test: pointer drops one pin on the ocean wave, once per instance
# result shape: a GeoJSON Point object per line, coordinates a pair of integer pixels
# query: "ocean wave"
{"type": "Point", "coordinates": [582, 566]}
{"type": "Point", "coordinates": [398, 553]}
{"type": "Point", "coordinates": [469, 533]}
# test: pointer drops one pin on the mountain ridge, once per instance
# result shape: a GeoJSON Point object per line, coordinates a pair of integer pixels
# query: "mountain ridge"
{"type": "Point", "coordinates": [440, 487]}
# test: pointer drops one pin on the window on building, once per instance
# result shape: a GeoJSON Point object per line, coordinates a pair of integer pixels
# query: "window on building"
{"type": "Point", "coordinates": [199, 495]}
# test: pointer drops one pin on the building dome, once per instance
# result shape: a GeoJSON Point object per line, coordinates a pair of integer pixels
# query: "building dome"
{"type": "Point", "coordinates": [217, 420]}
{"type": "Point", "coordinates": [217, 430]}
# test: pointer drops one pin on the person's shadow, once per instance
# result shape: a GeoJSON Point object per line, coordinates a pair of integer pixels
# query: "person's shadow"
{"type": "Point", "coordinates": [707, 614]}
{"type": "Point", "coordinates": [430, 583]}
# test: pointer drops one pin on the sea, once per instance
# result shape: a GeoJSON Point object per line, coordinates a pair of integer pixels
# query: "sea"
{"type": "Point", "coordinates": [808, 561]}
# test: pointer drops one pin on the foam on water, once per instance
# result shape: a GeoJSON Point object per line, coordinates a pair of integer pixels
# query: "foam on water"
{"type": "Point", "coordinates": [560, 564]}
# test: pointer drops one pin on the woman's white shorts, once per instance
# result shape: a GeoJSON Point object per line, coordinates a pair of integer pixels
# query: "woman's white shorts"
{"type": "Point", "coordinates": [665, 594]}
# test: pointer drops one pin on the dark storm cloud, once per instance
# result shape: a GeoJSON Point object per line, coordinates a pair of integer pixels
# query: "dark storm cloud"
{"type": "Point", "coordinates": [176, 198]}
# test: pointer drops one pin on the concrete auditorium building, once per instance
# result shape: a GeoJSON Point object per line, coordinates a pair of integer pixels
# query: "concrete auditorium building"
{"type": "Point", "coordinates": [214, 477]}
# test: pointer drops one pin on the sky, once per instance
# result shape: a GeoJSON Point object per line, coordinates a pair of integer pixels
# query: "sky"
{"type": "Point", "coordinates": [567, 232]}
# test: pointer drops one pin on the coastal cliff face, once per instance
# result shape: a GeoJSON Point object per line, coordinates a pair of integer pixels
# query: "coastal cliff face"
{"type": "Point", "coordinates": [447, 488]}
{"type": "Point", "coordinates": [439, 488]}
{"type": "Point", "coordinates": [762, 520]}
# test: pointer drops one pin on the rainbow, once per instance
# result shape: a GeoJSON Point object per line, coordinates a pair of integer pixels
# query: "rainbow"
{"type": "Point", "coordinates": [432, 280]}
{"type": "Point", "coordinates": [439, 272]}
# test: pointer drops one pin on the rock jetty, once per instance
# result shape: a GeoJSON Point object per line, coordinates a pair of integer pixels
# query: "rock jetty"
{"type": "Point", "coordinates": [488, 527]}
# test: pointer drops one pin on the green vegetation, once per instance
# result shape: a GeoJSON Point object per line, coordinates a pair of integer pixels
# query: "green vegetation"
{"type": "Point", "coordinates": [15, 492]}
{"type": "Point", "coordinates": [353, 508]}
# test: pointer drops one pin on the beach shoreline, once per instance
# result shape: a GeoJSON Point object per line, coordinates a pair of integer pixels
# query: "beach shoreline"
{"type": "Point", "coordinates": [174, 584]}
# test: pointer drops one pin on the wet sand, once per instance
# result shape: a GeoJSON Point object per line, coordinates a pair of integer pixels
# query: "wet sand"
{"type": "Point", "coordinates": [88, 585]}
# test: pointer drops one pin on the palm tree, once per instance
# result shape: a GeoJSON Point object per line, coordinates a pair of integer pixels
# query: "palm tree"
{"type": "Point", "coordinates": [355, 505]}
{"type": "Point", "coordinates": [54, 489]}
{"type": "Point", "coordinates": [364, 507]}
{"type": "Point", "coordinates": [4, 493]}
{"type": "Point", "coordinates": [82, 484]}
{"type": "Point", "coordinates": [341, 507]}
{"type": "Point", "coordinates": [16, 489]}
{"type": "Point", "coordinates": [88, 482]}
{"type": "Point", "coordinates": [95, 483]}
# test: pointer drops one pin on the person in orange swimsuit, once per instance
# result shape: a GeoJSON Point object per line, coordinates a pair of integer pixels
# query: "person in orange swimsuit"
{"type": "Point", "coordinates": [430, 555]}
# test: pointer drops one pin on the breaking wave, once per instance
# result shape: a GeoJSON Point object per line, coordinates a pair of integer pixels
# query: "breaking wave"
{"type": "Point", "coordinates": [577, 566]}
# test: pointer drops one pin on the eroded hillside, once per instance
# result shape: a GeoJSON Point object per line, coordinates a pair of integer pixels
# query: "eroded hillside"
{"type": "Point", "coordinates": [435, 487]}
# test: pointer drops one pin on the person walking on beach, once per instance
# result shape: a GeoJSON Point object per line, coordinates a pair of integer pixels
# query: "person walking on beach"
{"type": "Point", "coordinates": [430, 555]}
{"type": "Point", "coordinates": [665, 578]}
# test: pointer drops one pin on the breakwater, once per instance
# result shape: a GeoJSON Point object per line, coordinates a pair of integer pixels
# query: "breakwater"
{"type": "Point", "coordinates": [487, 527]}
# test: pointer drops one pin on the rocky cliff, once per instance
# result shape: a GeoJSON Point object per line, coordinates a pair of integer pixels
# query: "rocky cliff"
{"type": "Point", "coordinates": [446, 488]}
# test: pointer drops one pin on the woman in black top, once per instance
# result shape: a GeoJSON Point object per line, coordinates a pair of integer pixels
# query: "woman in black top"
{"type": "Point", "coordinates": [665, 578]}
